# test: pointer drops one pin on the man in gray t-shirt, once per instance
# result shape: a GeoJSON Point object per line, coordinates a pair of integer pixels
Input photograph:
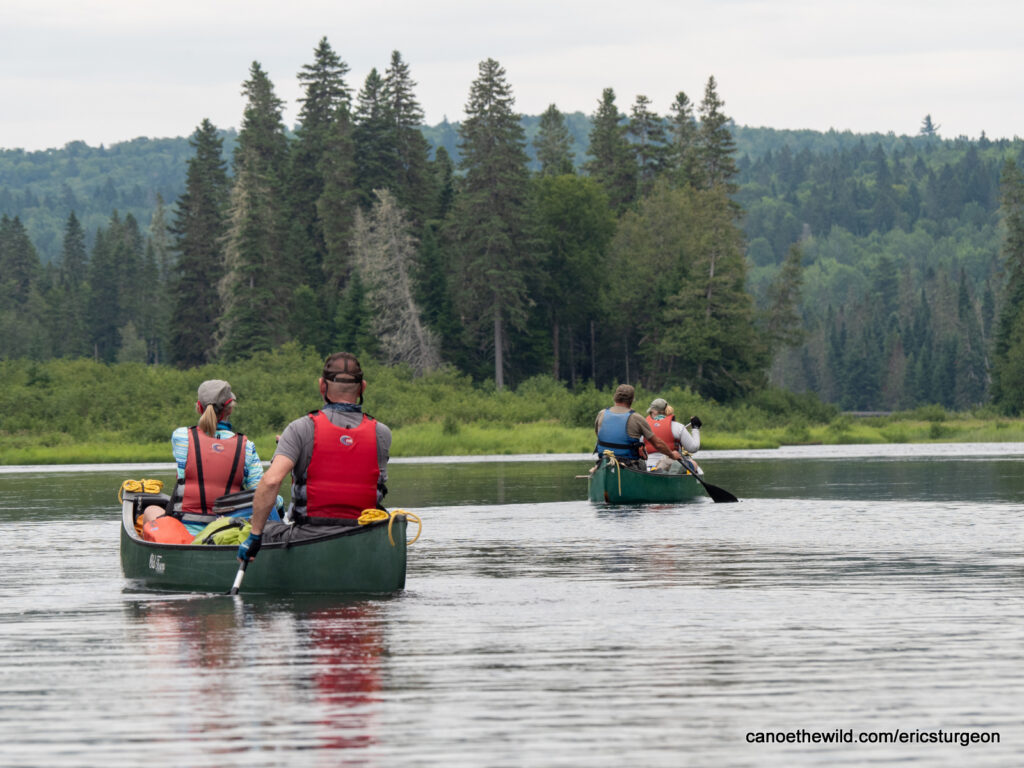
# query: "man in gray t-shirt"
{"type": "Point", "coordinates": [296, 441]}
{"type": "Point", "coordinates": [341, 386]}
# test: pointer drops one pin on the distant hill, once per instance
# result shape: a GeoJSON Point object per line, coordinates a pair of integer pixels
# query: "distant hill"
{"type": "Point", "coordinates": [43, 187]}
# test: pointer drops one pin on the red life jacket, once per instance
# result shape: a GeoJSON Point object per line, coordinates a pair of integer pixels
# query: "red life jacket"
{"type": "Point", "coordinates": [343, 472]}
{"type": "Point", "coordinates": [662, 428]}
{"type": "Point", "coordinates": [215, 467]}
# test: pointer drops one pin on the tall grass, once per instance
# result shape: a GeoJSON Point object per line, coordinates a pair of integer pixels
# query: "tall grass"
{"type": "Point", "coordinates": [69, 411]}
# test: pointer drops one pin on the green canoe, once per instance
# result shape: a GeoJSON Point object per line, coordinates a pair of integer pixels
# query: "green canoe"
{"type": "Point", "coordinates": [611, 483]}
{"type": "Point", "coordinates": [362, 559]}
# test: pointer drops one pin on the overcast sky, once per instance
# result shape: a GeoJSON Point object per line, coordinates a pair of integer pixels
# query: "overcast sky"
{"type": "Point", "coordinates": [104, 71]}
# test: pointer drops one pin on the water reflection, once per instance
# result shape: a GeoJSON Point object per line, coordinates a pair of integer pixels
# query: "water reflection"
{"type": "Point", "coordinates": [313, 655]}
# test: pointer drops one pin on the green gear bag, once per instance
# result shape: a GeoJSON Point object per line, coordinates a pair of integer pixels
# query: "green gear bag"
{"type": "Point", "coordinates": [224, 531]}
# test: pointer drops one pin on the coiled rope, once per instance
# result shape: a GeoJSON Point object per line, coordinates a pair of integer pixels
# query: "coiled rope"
{"type": "Point", "coordinates": [139, 486]}
{"type": "Point", "coordinates": [618, 467]}
{"type": "Point", "coordinates": [374, 515]}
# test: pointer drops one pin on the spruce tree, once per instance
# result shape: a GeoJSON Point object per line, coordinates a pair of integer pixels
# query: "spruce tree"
{"type": "Point", "coordinates": [70, 297]}
{"type": "Point", "coordinates": [338, 201]}
{"type": "Point", "coordinates": [1008, 350]}
{"type": "Point", "coordinates": [326, 100]}
{"type": "Point", "coordinates": [411, 182]}
{"type": "Point", "coordinates": [575, 227]}
{"type": "Point", "coordinates": [23, 326]}
{"type": "Point", "coordinates": [611, 161]}
{"type": "Point", "coordinates": [552, 144]}
{"type": "Point", "coordinates": [105, 310]}
{"type": "Point", "coordinates": [376, 157]}
{"type": "Point", "coordinates": [489, 228]}
{"type": "Point", "coordinates": [649, 143]}
{"type": "Point", "coordinates": [715, 142]}
{"type": "Point", "coordinates": [258, 282]}
{"type": "Point", "coordinates": [683, 141]}
{"type": "Point", "coordinates": [783, 323]}
{"type": "Point", "coordinates": [198, 230]}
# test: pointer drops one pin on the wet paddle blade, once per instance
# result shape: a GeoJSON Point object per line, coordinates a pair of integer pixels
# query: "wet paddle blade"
{"type": "Point", "coordinates": [718, 495]}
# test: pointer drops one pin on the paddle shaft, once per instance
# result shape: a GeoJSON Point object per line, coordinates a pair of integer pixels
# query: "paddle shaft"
{"type": "Point", "coordinates": [238, 578]}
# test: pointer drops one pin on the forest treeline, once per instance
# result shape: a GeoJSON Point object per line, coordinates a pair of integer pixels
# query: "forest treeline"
{"type": "Point", "coordinates": [666, 249]}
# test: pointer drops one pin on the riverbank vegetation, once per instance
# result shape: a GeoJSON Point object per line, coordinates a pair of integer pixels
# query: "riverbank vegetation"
{"type": "Point", "coordinates": [655, 244]}
{"type": "Point", "coordinates": [81, 411]}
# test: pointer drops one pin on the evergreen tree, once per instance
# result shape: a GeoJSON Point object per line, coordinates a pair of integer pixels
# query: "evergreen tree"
{"type": "Point", "coordinates": [715, 142]}
{"type": "Point", "coordinates": [928, 128]}
{"type": "Point", "coordinates": [375, 152]}
{"type": "Point", "coordinates": [611, 161]}
{"type": "Point", "coordinates": [489, 224]}
{"type": "Point", "coordinates": [353, 321]}
{"type": "Point", "coordinates": [1008, 353]}
{"type": "Point", "coordinates": [444, 183]}
{"type": "Point", "coordinates": [70, 296]}
{"type": "Point", "coordinates": [970, 385]}
{"type": "Point", "coordinates": [326, 100]}
{"type": "Point", "coordinates": [198, 232]}
{"type": "Point", "coordinates": [709, 322]}
{"type": "Point", "coordinates": [19, 261]}
{"type": "Point", "coordinates": [105, 313]}
{"type": "Point", "coordinates": [258, 283]}
{"type": "Point", "coordinates": [552, 144]}
{"type": "Point", "coordinates": [159, 253]}
{"type": "Point", "coordinates": [74, 258]}
{"type": "Point", "coordinates": [433, 295]}
{"type": "Point", "coordinates": [649, 143]}
{"type": "Point", "coordinates": [575, 227]}
{"type": "Point", "coordinates": [683, 156]}
{"type": "Point", "coordinates": [23, 327]}
{"type": "Point", "coordinates": [411, 182]}
{"type": "Point", "coordinates": [338, 201]}
{"type": "Point", "coordinates": [783, 323]}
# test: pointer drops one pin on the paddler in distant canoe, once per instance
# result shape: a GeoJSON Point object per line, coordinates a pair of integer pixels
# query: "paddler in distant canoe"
{"type": "Point", "coordinates": [623, 431]}
{"type": "Point", "coordinates": [661, 418]}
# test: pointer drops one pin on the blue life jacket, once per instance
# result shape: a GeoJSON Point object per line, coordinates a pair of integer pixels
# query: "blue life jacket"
{"type": "Point", "coordinates": [612, 436]}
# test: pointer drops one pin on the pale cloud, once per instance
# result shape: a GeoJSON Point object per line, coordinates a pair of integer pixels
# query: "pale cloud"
{"type": "Point", "coordinates": [109, 70]}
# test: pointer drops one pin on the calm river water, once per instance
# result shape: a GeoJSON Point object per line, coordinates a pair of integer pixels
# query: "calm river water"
{"type": "Point", "coordinates": [856, 593]}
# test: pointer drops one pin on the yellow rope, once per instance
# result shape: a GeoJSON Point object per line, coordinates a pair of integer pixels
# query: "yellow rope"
{"type": "Point", "coordinates": [139, 486]}
{"type": "Point", "coordinates": [618, 467]}
{"type": "Point", "coordinates": [374, 515]}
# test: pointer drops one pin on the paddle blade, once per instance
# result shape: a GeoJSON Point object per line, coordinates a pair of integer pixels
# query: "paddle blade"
{"type": "Point", "coordinates": [718, 495]}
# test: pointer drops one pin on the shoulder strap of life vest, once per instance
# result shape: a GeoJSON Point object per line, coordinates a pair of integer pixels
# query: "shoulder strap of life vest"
{"type": "Point", "coordinates": [239, 445]}
{"type": "Point", "coordinates": [199, 467]}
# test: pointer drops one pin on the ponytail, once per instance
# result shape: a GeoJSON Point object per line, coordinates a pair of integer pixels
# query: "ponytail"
{"type": "Point", "coordinates": [208, 421]}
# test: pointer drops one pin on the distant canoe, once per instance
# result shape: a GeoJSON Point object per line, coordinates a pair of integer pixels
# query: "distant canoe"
{"type": "Point", "coordinates": [612, 483]}
{"type": "Point", "coordinates": [361, 559]}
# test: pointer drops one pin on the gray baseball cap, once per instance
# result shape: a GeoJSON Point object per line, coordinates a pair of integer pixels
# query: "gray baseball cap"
{"type": "Point", "coordinates": [215, 392]}
{"type": "Point", "coordinates": [658, 404]}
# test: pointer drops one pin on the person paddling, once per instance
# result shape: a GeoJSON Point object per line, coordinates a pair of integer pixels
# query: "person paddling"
{"type": "Point", "coordinates": [338, 459]}
{"type": "Point", "coordinates": [622, 431]}
{"type": "Point", "coordinates": [661, 418]}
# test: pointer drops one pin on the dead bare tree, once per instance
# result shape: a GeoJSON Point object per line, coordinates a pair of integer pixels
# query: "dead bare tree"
{"type": "Point", "coordinates": [385, 254]}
